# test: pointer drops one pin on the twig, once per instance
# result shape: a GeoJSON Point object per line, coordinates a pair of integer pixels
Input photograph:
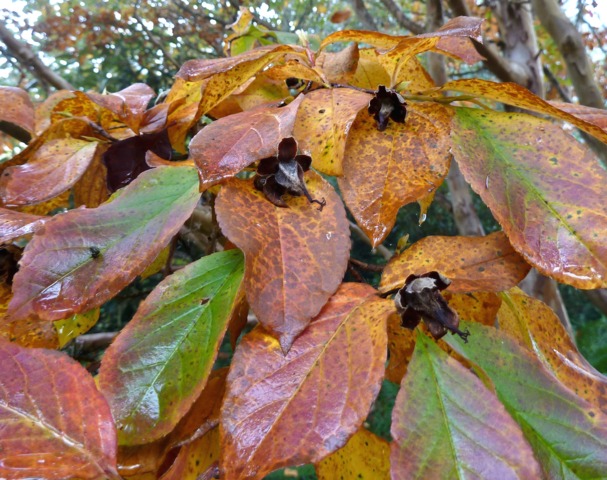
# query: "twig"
{"type": "Point", "coordinates": [380, 249]}
{"type": "Point", "coordinates": [555, 83]}
{"type": "Point", "coordinates": [367, 266]}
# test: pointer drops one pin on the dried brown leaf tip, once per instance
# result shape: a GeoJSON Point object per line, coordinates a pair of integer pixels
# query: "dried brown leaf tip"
{"type": "Point", "coordinates": [284, 173]}
{"type": "Point", "coordinates": [420, 299]}
{"type": "Point", "coordinates": [387, 104]}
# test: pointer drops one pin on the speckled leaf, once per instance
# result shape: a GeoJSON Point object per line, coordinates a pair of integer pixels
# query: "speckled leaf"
{"type": "Point", "coordinates": [82, 258]}
{"type": "Point", "coordinates": [226, 146]}
{"type": "Point", "coordinates": [141, 462]}
{"type": "Point", "coordinates": [160, 362]}
{"type": "Point", "coordinates": [442, 403]}
{"type": "Point", "coordinates": [567, 434]}
{"type": "Point", "coordinates": [80, 105]}
{"type": "Point", "coordinates": [379, 40]}
{"type": "Point", "coordinates": [370, 73]}
{"type": "Point", "coordinates": [544, 188]}
{"type": "Point", "coordinates": [76, 325]}
{"type": "Point", "coordinates": [292, 69]}
{"type": "Point", "coordinates": [180, 119]}
{"type": "Point", "coordinates": [515, 95]}
{"type": "Point", "coordinates": [479, 307]}
{"type": "Point", "coordinates": [384, 171]}
{"type": "Point", "coordinates": [295, 257]}
{"type": "Point", "coordinates": [366, 457]}
{"type": "Point", "coordinates": [323, 122]}
{"type": "Point", "coordinates": [196, 459]}
{"type": "Point", "coordinates": [16, 224]}
{"type": "Point", "coordinates": [53, 169]}
{"type": "Point", "coordinates": [412, 76]}
{"type": "Point", "coordinates": [596, 116]}
{"type": "Point", "coordinates": [17, 108]}
{"type": "Point", "coordinates": [54, 422]}
{"type": "Point", "coordinates": [536, 326]}
{"type": "Point", "coordinates": [91, 190]}
{"type": "Point", "coordinates": [471, 263]}
{"type": "Point", "coordinates": [42, 115]}
{"type": "Point", "coordinates": [282, 410]}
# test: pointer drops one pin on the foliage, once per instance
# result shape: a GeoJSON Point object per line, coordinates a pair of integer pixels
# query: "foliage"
{"type": "Point", "coordinates": [302, 382]}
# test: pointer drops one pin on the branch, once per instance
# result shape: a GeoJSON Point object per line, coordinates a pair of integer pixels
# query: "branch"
{"type": "Point", "coordinates": [363, 15]}
{"type": "Point", "coordinates": [25, 56]}
{"type": "Point", "coordinates": [383, 251]}
{"type": "Point", "coordinates": [555, 83]}
{"type": "Point", "coordinates": [402, 20]}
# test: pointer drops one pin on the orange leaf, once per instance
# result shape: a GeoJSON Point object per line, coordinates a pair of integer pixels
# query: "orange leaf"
{"type": "Point", "coordinates": [323, 122]}
{"type": "Point", "coordinates": [401, 343]}
{"type": "Point", "coordinates": [295, 257]}
{"type": "Point", "coordinates": [340, 16]}
{"type": "Point", "coordinates": [53, 169]}
{"type": "Point", "coordinates": [471, 263]}
{"type": "Point", "coordinates": [196, 459]}
{"type": "Point", "coordinates": [535, 325]}
{"type": "Point", "coordinates": [43, 111]}
{"type": "Point", "coordinates": [385, 170]}
{"type": "Point", "coordinates": [225, 147]}
{"type": "Point", "coordinates": [91, 190]}
{"type": "Point", "coordinates": [334, 371]}
{"type": "Point", "coordinates": [366, 457]}
{"type": "Point", "coordinates": [341, 66]}
{"type": "Point", "coordinates": [55, 424]}
{"type": "Point", "coordinates": [370, 71]}
{"type": "Point", "coordinates": [17, 108]}
{"type": "Point", "coordinates": [480, 307]}
{"type": "Point", "coordinates": [544, 188]}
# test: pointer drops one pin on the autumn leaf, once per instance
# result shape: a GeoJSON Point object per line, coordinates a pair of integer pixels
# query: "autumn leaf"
{"type": "Point", "coordinates": [129, 104]}
{"type": "Point", "coordinates": [53, 169]}
{"type": "Point", "coordinates": [82, 258]}
{"type": "Point", "coordinates": [42, 114]}
{"type": "Point", "coordinates": [55, 424]}
{"type": "Point", "coordinates": [196, 459]}
{"type": "Point", "coordinates": [76, 325]}
{"type": "Point", "coordinates": [471, 263]}
{"type": "Point", "coordinates": [567, 434]}
{"type": "Point", "coordinates": [79, 105]}
{"type": "Point", "coordinates": [545, 189]}
{"type": "Point", "coordinates": [226, 146]}
{"type": "Point", "coordinates": [295, 257]}
{"type": "Point", "coordinates": [91, 190]}
{"type": "Point", "coordinates": [536, 326]}
{"type": "Point", "coordinates": [384, 171]}
{"type": "Point", "coordinates": [596, 116]}
{"type": "Point", "coordinates": [366, 456]}
{"type": "Point", "coordinates": [14, 225]}
{"type": "Point", "coordinates": [401, 343]}
{"type": "Point", "coordinates": [446, 424]}
{"type": "Point", "coordinates": [17, 108]}
{"type": "Point", "coordinates": [339, 67]}
{"type": "Point", "coordinates": [323, 123]}
{"type": "Point", "coordinates": [160, 362]}
{"type": "Point", "coordinates": [334, 369]}
{"type": "Point", "coordinates": [517, 96]}
{"type": "Point", "coordinates": [370, 72]}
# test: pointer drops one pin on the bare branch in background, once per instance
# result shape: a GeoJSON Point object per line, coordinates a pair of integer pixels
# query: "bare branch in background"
{"type": "Point", "coordinates": [26, 57]}
{"type": "Point", "coordinates": [402, 20]}
{"type": "Point", "coordinates": [363, 15]}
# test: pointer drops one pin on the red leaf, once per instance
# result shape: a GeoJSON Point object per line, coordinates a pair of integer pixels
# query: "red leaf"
{"type": "Point", "coordinates": [232, 143]}
{"type": "Point", "coordinates": [17, 108]}
{"type": "Point", "coordinates": [295, 257]}
{"type": "Point", "coordinates": [54, 423]}
{"type": "Point", "coordinates": [286, 410]}
{"type": "Point", "coordinates": [16, 224]}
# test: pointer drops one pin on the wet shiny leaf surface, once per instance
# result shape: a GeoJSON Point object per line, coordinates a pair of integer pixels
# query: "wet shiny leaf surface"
{"type": "Point", "coordinates": [17, 108]}
{"type": "Point", "coordinates": [442, 405]}
{"type": "Point", "coordinates": [544, 188]}
{"type": "Point", "coordinates": [158, 365]}
{"type": "Point", "coordinates": [282, 410]}
{"type": "Point", "coordinates": [567, 434]}
{"type": "Point", "coordinates": [54, 422]}
{"type": "Point", "coordinates": [16, 224]}
{"type": "Point", "coordinates": [61, 275]}
{"type": "Point", "coordinates": [295, 257]}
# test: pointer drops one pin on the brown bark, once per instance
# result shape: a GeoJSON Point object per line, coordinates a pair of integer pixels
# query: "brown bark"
{"type": "Point", "coordinates": [363, 15]}
{"type": "Point", "coordinates": [400, 17]}
{"type": "Point", "coordinates": [26, 57]}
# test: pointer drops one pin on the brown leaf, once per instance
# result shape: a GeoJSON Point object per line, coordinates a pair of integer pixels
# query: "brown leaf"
{"type": "Point", "coordinates": [471, 263]}
{"type": "Point", "coordinates": [340, 16]}
{"type": "Point", "coordinates": [401, 343]}
{"type": "Point", "coordinates": [53, 169]}
{"type": "Point", "coordinates": [596, 116]}
{"type": "Point", "coordinates": [323, 122]}
{"type": "Point", "coordinates": [16, 224]}
{"type": "Point", "coordinates": [536, 326]}
{"type": "Point", "coordinates": [226, 146]}
{"type": "Point", "coordinates": [385, 170]}
{"type": "Point", "coordinates": [128, 105]}
{"type": "Point", "coordinates": [544, 188]}
{"type": "Point", "coordinates": [292, 69]}
{"type": "Point", "coordinates": [334, 372]}
{"type": "Point", "coordinates": [295, 257]}
{"type": "Point", "coordinates": [480, 307]}
{"type": "Point", "coordinates": [341, 66]}
{"type": "Point", "coordinates": [60, 275]}
{"type": "Point", "coordinates": [46, 430]}
{"type": "Point", "coordinates": [91, 190]}
{"type": "Point", "coordinates": [17, 108]}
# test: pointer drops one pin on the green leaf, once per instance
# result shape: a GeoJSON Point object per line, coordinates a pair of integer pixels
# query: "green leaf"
{"type": "Point", "coordinates": [545, 189]}
{"type": "Point", "coordinates": [84, 257]}
{"type": "Point", "coordinates": [446, 424]}
{"type": "Point", "coordinates": [568, 435]}
{"type": "Point", "coordinates": [160, 362]}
